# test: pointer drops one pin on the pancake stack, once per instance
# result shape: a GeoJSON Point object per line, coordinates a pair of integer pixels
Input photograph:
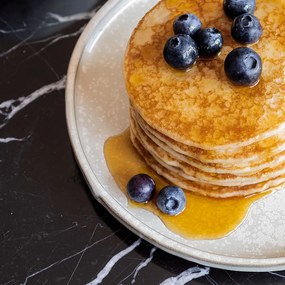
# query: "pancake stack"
{"type": "Point", "coordinates": [195, 128]}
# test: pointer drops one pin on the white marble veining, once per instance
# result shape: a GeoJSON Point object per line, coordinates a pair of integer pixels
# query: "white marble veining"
{"type": "Point", "coordinates": [66, 258]}
{"type": "Point", "coordinates": [21, 41]}
{"type": "Point", "coordinates": [187, 276]}
{"type": "Point", "coordinates": [9, 108]}
{"type": "Point", "coordinates": [53, 39]}
{"type": "Point", "coordinates": [211, 280]}
{"type": "Point", "coordinates": [6, 52]}
{"type": "Point", "coordinates": [57, 19]}
{"type": "Point", "coordinates": [83, 252]}
{"type": "Point", "coordinates": [75, 17]}
{"type": "Point", "coordinates": [277, 274]}
{"type": "Point", "coordinates": [2, 31]}
{"type": "Point", "coordinates": [143, 264]}
{"type": "Point", "coordinates": [11, 139]}
{"type": "Point", "coordinates": [110, 264]}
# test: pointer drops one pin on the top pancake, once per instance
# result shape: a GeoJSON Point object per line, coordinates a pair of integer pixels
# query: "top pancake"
{"type": "Point", "coordinates": [201, 107]}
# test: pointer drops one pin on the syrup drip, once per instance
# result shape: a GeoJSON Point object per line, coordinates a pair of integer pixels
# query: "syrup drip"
{"type": "Point", "coordinates": [203, 218]}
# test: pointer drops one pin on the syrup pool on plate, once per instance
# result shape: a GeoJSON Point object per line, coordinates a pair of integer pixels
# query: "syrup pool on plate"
{"type": "Point", "coordinates": [203, 218]}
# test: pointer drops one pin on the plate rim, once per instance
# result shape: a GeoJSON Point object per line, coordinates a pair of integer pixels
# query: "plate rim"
{"type": "Point", "coordinates": [195, 255]}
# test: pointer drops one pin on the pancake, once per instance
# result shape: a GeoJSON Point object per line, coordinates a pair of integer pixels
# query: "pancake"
{"type": "Point", "coordinates": [200, 107]}
{"type": "Point", "coordinates": [194, 127]}
{"type": "Point", "coordinates": [207, 189]}
{"type": "Point", "coordinates": [262, 150]}
{"type": "Point", "coordinates": [154, 145]}
{"type": "Point", "coordinates": [194, 174]}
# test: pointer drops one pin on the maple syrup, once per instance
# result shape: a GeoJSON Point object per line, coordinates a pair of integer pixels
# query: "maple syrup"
{"type": "Point", "coordinates": [203, 217]}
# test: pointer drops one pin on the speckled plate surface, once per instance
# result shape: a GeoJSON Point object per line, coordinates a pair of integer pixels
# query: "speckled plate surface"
{"type": "Point", "coordinates": [97, 108]}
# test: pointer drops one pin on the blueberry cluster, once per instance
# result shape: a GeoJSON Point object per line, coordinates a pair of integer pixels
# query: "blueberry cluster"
{"type": "Point", "coordinates": [170, 200]}
{"type": "Point", "coordinates": [243, 65]}
{"type": "Point", "coordinates": [190, 41]}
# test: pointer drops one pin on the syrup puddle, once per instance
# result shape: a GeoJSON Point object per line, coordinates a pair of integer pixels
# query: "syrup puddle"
{"type": "Point", "coordinates": [203, 218]}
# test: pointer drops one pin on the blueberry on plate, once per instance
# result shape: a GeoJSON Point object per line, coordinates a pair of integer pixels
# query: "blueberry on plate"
{"type": "Point", "coordinates": [140, 188]}
{"type": "Point", "coordinates": [171, 200]}
{"type": "Point", "coordinates": [209, 42]}
{"type": "Point", "coordinates": [235, 8]}
{"type": "Point", "coordinates": [243, 66]}
{"type": "Point", "coordinates": [180, 51]}
{"type": "Point", "coordinates": [246, 29]}
{"type": "Point", "coordinates": [187, 24]}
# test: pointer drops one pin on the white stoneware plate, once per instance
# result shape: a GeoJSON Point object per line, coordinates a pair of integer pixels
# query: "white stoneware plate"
{"type": "Point", "coordinates": [97, 108]}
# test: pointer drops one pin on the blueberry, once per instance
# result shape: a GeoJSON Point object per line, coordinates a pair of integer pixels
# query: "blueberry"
{"type": "Point", "coordinates": [246, 29]}
{"type": "Point", "coordinates": [187, 24]}
{"type": "Point", "coordinates": [141, 188]}
{"type": "Point", "coordinates": [209, 42]}
{"type": "Point", "coordinates": [235, 8]}
{"type": "Point", "coordinates": [171, 200]}
{"type": "Point", "coordinates": [180, 51]}
{"type": "Point", "coordinates": [243, 66]}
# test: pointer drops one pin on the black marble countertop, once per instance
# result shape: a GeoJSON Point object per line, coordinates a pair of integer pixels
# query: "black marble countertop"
{"type": "Point", "coordinates": [52, 230]}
